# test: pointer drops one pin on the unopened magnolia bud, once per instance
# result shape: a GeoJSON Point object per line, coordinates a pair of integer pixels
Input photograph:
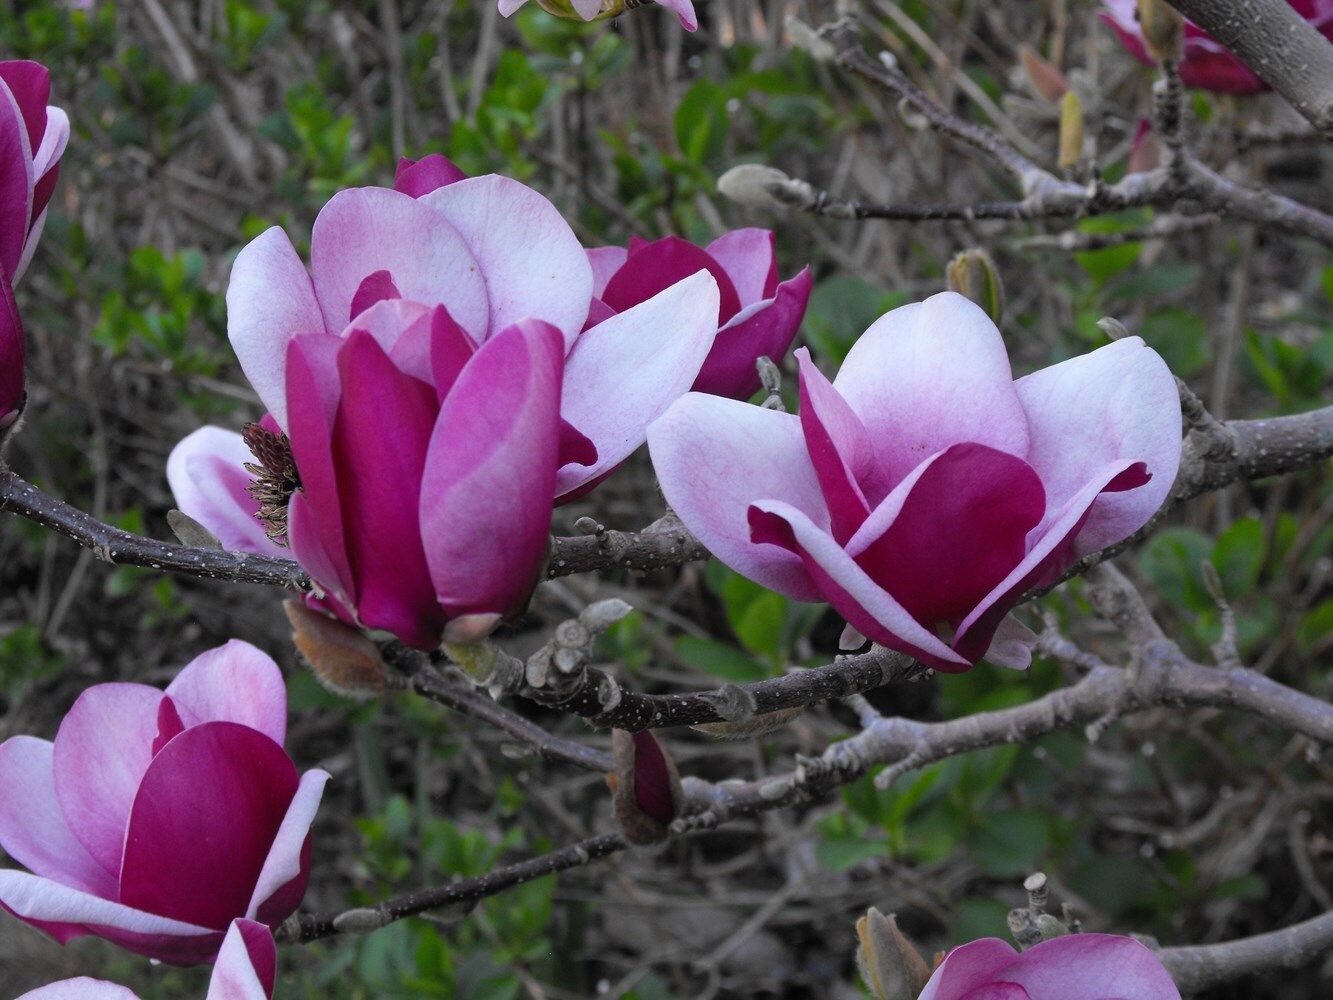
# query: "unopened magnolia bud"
{"type": "Point", "coordinates": [475, 659]}
{"type": "Point", "coordinates": [890, 964]}
{"type": "Point", "coordinates": [1071, 131]}
{"type": "Point", "coordinates": [191, 532]}
{"type": "Point", "coordinates": [1112, 327]}
{"type": "Point", "coordinates": [770, 375]}
{"type": "Point", "coordinates": [565, 9]}
{"type": "Point", "coordinates": [973, 273]}
{"type": "Point", "coordinates": [343, 660]}
{"type": "Point", "coordinates": [645, 787]}
{"type": "Point", "coordinates": [1030, 928]}
{"type": "Point", "coordinates": [1163, 30]}
{"type": "Point", "coordinates": [750, 184]}
{"type": "Point", "coordinates": [1046, 80]}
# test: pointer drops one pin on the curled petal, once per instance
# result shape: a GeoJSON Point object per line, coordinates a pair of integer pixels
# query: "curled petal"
{"type": "Point", "coordinates": [653, 267]}
{"type": "Point", "coordinates": [765, 329]}
{"type": "Point", "coordinates": [968, 967]}
{"type": "Point", "coordinates": [749, 259]}
{"type": "Point", "coordinates": [282, 881]}
{"type": "Point", "coordinates": [421, 177]}
{"type": "Point", "coordinates": [16, 182]}
{"type": "Point", "coordinates": [839, 448]}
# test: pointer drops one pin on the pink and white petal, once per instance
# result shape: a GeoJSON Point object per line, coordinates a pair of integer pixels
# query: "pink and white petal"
{"type": "Point", "coordinates": [490, 472]}
{"type": "Point", "coordinates": [839, 448]}
{"type": "Point", "coordinates": [364, 230]}
{"type": "Point", "coordinates": [208, 479]}
{"type": "Point", "coordinates": [968, 967]}
{"type": "Point", "coordinates": [715, 457]}
{"type": "Point", "coordinates": [533, 264]}
{"type": "Point", "coordinates": [16, 182]}
{"type": "Point", "coordinates": [624, 373]}
{"type": "Point", "coordinates": [765, 329]}
{"type": "Point", "coordinates": [82, 988]}
{"type": "Point", "coordinates": [507, 7]}
{"type": "Point", "coordinates": [1012, 645]}
{"type": "Point", "coordinates": [54, 141]}
{"type": "Point", "coordinates": [388, 321]}
{"type": "Point", "coordinates": [270, 300]}
{"type": "Point", "coordinates": [33, 830]}
{"type": "Point", "coordinates": [246, 965]}
{"type": "Point", "coordinates": [208, 810]}
{"type": "Point", "coordinates": [868, 607]}
{"type": "Point", "coordinates": [1119, 403]}
{"type": "Point", "coordinates": [929, 375]}
{"type": "Point", "coordinates": [282, 881]}
{"type": "Point", "coordinates": [234, 682]}
{"type": "Point", "coordinates": [605, 262]}
{"type": "Point", "coordinates": [30, 247]}
{"type": "Point", "coordinates": [66, 913]}
{"type": "Point", "coordinates": [748, 257]}
{"type": "Point", "coordinates": [1092, 967]}
{"type": "Point", "coordinates": [1052, 551]}
{"type": "Point", "coordinates": [683, 9]}
{"type": "Point", "coordinates": [102, 749]}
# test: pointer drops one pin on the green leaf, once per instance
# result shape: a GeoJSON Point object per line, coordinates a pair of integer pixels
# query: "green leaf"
{"type": "Point", "coordinates": [1238, 555]}
{"type": "Point", "coordinates": [718, 659]}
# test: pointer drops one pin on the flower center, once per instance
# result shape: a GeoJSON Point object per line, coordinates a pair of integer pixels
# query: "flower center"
{"type": "Point", "coordinates": [276, 478]}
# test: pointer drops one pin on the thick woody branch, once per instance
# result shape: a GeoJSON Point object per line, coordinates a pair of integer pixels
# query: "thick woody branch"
{"type": "Point", "coordinates": [1203, 966]}
{"type": "Point", "coordinates": [1284, 50]}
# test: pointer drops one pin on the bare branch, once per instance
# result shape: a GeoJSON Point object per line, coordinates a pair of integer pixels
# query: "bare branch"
{"type": "Point", "coordinates": [1202, 966]}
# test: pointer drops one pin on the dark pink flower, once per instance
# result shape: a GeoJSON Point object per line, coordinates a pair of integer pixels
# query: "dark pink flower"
{"type": "Point", "coordinates": [923, 491]}
{"type": "Point", "coordinates": [245, 970]}
{"type": "Point", "coordinates": [157, 818]}
{"type": "Point", "coordinates": [1072, 967]}
{"type": "Point", "coordinates": [1208, 64]}
{"type": "Point", "coordinates": [757, 316]}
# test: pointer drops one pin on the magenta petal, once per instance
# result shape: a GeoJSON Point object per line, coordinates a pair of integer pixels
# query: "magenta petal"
{"type": "Point", "coordinates": [490, 472]}
{"type": "Point", "coordinates": [420, 177]}
{"type": "Point", "coordinates": [233, 683]}
{"type": "Point", "coordinates": [929, 375]}
{"type": "Point", "coordinates": [246, 964]}
{"type": "Point", "coordinates": [839, 448]}
{"type": "Point", "coordinates": [16, 182]}
{"type": "Point", "coordinates": [867, 606]}
{"type": "Point", "coordinates": [82, 988]}
{"type": "Point", "coordinates": [169, 724]}
{"type": "Point", "coordinates": [532, 264]}
{"type": "Point", "coordinates": [103, 747]}
{"type": "Point", "coordinates": [968, 967]}
{"type": "Point", "coordinates": [30, 83]}
{"type": "Point", "coordinates": [959, 531]}
{"type": "Point", "coordinates": [375, 287]}
{"type": "Point", "coordinates": [653, 267]}
{"type": "Point", "coordinates": [206, 814]}
{"type": "Point", "coordinates": [209, 481]}
{"type": "Point", "coordinates": [363, 230]}
{"type": "Point", "coordinates": [33, 830]}
{"type": "Point", "coordinates": [1091, 967]}
{"type": "Point", "coordinates": [575, 447]}
{"type": "Point", "coordinates": [380, 436]}
{"type": "Point", "coordinates": [13, 356]}
{"type": "Point", "coordinates": [748, 257]}
{"type": "Point", "coordinates": [714, 457]}
{"type": "Point", "coordinates": [282, 881]}
{"type": "Point", "coordinates": [764, 330]}
{"type": "Point", "coordinates": [450, 349]}
{"type": "Point", "coordinates": [683, 9]}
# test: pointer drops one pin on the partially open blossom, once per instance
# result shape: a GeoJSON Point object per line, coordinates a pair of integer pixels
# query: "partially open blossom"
{"type": "Point", "coordinates": [924, 490]}
{"type": "Point", "coordinates": [596, 10]}
{"type": "Point", "coordinates": [245, 970]}
{"type": "Point", "coordinates": [1208, 64]}
{"type": "Point", "coordinates": [757, 315]}
{"type": "Point", "coordinates": [158, 818]}
{"type": "Point", "coordinates": [432, 389]}
{"type": "Point", "coordinates": [1072, 967]}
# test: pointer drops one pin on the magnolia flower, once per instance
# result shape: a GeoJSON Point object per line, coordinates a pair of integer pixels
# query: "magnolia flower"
{"type": "Point", "coordinates": [245, 970]}
{"type": "Point", "coordinates": [757, 316]}
{"type": "Point", "coordinates": [923, 491]}
{"type": "Point", "coordinates": [1072, 967]}
{"type": "Point", "coordinates": [157, 818]}
{"type": "Point", "coordinates": [432, 391]}
{"type": "Point", "coordinates": [1208, 64]}
{"type": "Point", "coordinates": [597, 10]}
{"type": "Point", "coordinates": [32, 139]}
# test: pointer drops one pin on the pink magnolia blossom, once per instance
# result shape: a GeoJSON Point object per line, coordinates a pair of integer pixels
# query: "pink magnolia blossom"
{"type": "Point", "coordinates": [245, 970]}
{"type": "Point", "coordinates": [757, 315]}
{"type": "Point", "coordinates": [32, 140]}
{"type": "Point", "coordinates": [1073, 967]}
{"type": "Point", "coordinates": [1208, 64]}
{"type": "Point", "coordinates": [439, 389]}
{"type": "Point", "coordinates": [592, 10]}
{"type": "Point", "coordinates": [157, 818]}
{"type": "Point", "coordinates": [924, 490]}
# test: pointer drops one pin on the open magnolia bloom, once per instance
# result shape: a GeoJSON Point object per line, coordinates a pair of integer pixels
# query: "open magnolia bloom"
{"type": "Point", "coordinates": [594, 10]}
{"type": "Point", "coordinates": [432, 391]}
{"type": "Point", "coordinates": [158, 818]}
{"type": "Point", "coordinates": [924, 490]}
{"type": "Point", "coordinates": [1072, 967]}
{"type": "Point", "coordinates": [245, 970]}
{"type": "Point", "coordinates": [1208, 64]}
{"type": "Point", "coordinates": [757, 315]}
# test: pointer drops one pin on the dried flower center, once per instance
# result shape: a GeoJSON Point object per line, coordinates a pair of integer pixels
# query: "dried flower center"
{"type": "Point", "coordinates": [276, 478]}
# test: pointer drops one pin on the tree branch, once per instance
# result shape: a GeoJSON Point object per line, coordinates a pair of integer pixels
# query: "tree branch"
{"type": "Point", "coordinates": [1202, 966]}
{"type": "Point", "coordinates": [1284, 50]}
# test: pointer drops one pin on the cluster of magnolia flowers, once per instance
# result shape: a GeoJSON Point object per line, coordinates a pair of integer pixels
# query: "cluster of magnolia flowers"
{"type": "Point", "coordinates": [451, 366]}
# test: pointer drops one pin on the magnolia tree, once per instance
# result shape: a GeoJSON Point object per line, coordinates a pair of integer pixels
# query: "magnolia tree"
{"type": "Point", "coordinates": [446, 369]}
